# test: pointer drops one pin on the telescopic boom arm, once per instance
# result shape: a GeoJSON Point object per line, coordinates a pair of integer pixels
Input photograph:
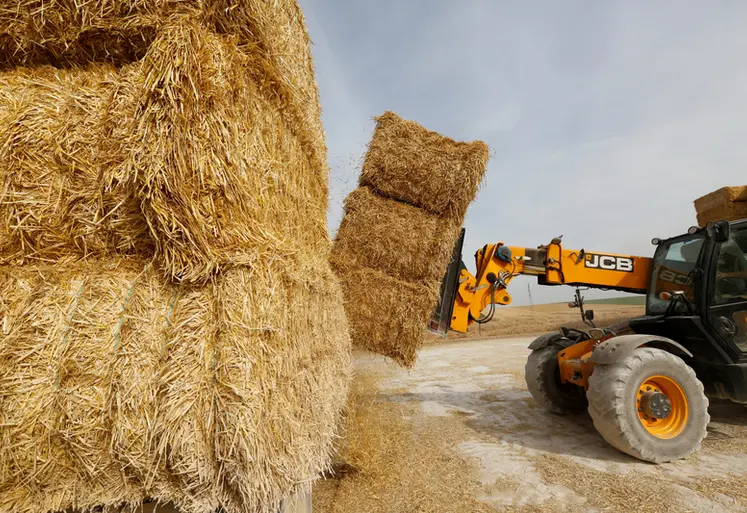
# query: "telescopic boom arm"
{"type": "Point", "coordinates": [497, 264]}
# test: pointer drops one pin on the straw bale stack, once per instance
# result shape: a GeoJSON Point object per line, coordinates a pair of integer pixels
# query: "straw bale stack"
{"type": "Point", "coordinates": [727, 203]}
{"type": "Point", "coordinates": [398, 231]}
{"type": "Point", "coordinates": [170, 326]}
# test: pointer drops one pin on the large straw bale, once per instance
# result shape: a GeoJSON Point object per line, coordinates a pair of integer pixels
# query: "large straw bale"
{"type": "Point", "coordinates": [403, 241]}
{"type": "Point", "coordinates": [222, 149]}
{"type": "Point", "coordinates": [186, 143]}
{"type": "Point", "coordinates": [277, 31]}
{"type": "Point", "coordinates": [225, 182]}
{"type": "Point", "coordinates": [423, 168]}
{"type": "Point", "coordinates": [115, 386]}
{"type": "Point", "coordinates": [62, 333]}
{"type": "Point", "coordinates": [387, 316]}
{"type": "Point", "coordinates": [59, 197]}
{"type": "Point", "coordinates": [727, 203]}
{"type": "Point", "coordinates": [284, 352]}
{"type": "Point", "coordinates": [68, 33]}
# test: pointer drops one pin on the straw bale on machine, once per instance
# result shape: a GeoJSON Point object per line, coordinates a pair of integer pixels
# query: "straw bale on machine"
{"type": "Point", "coordinates": [726, 203]}
{"type": "Point", "coordinates": [170, 327]}
{"type": "Point", "coordinates": [387, 315]}
{"type": "Point", "coordinates": [377, 233]}
{"type": "Point", "coordinates": [398, 231]}
{"type": "Point", "coordinates": [423, 168]}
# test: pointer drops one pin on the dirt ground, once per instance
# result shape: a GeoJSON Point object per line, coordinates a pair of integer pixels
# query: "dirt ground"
{"type": "Point", "coordinates": [460, 432]}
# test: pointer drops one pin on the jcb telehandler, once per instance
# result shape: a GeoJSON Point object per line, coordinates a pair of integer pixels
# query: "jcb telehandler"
{"type": "Point", "coordinates": [645, 384]}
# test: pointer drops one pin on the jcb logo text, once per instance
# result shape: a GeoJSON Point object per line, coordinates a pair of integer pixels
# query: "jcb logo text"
{"type": "Point", "coordinates": [608, 262]}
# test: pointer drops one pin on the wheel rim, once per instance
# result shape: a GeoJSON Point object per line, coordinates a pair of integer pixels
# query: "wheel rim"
{"type": "Point", "coordinates": [662, 396]}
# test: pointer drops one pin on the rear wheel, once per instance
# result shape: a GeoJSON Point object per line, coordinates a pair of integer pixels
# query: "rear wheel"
{"type": "Point", "coordinates": [649, 405]}
{"type": "Point", "coordinates": [542, 375]}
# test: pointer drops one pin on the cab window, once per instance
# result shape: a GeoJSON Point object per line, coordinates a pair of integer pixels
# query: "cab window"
{"type": "Point", "coordinates": [674, 270]}
{"type": "Point", "coordinates": [731, 269]}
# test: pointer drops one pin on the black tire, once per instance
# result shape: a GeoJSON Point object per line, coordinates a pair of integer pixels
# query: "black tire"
{"type": "Point", "coordinates": [542, 375]}
{"type": "Point", "coordinates": [613, 405]}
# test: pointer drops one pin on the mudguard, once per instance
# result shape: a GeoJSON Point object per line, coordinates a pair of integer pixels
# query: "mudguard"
{"type": "Point", "coordinates": [545, 340]}
{"type": "Point", "coordinates": [616, 349]}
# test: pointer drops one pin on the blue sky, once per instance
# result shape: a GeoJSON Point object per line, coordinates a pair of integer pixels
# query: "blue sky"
{"type": "Point", "coordinates": [605, 119]}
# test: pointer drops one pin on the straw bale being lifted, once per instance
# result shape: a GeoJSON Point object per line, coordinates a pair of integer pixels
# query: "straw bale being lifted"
{"type": "Point", "coordinates": [403, 241]}
{"type": "Point", "coordinates": [116, 387]}
{"type": "Point", "coordinates": [387, 316]}
{"type": "Point", "coordinates": [727, 203]}
{"type": "Point", "coordinates": [423, 168]}
{"type": "Point", "coordinates": [399, 228]}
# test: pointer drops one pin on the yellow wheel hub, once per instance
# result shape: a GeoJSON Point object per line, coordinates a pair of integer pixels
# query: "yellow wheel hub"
{"type": "Point", "coordinates": [662, 406]}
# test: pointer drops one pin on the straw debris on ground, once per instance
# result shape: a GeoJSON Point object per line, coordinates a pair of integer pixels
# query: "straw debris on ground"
{"type": "Point", "coordinates": [607, 491]}
{"type": "Point", "coordinates": [397, 462]}
{"type": "Point", "coordinates": [170, 326]}
{"type": "Point", "coordinates": [399, 228]}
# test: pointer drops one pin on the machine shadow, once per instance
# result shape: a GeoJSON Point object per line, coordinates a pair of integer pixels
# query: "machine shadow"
{"type": "Point", "coordinates": [727, 412]}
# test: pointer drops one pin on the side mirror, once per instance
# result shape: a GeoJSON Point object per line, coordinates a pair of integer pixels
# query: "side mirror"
{"type": "Point", "coordinates": [718, 231]}
{"type": "Point", "coordinates": [589, 315]}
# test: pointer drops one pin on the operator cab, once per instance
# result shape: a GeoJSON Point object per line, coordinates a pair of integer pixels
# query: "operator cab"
{"type": "Point", "coordinates": [698, 297]}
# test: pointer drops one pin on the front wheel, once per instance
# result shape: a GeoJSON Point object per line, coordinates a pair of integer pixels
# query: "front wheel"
{"type": "Point", "coordinates": [542, 375]}
{"type": "Point", "coordinates": [650, 405]}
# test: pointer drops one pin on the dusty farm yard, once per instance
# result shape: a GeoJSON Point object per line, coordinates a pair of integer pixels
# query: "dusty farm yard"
{"type": "Point", "coordinates": [524, 320]}
{"type": "Point", "coordinates": [460, 432]}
